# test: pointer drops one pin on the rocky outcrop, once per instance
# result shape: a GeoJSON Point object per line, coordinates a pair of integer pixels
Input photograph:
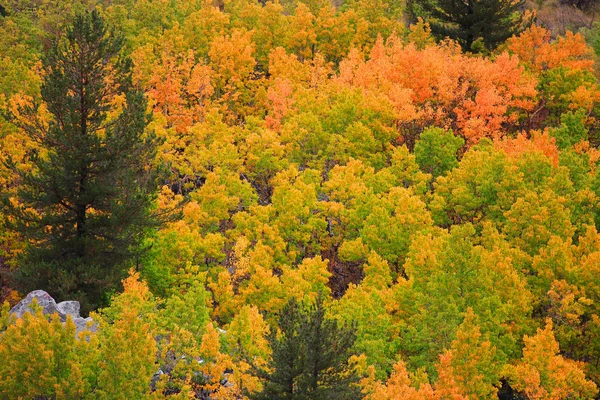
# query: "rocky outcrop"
{"type": "Point", "coordinates": [49, 307]}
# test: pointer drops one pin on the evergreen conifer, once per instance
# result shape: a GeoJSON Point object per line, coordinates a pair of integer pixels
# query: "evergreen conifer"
{"type": "Point", "coordinates": [476, 25]}
{"type": "Point", "coordinates": [84, 207]}
{"type": "Point", "coordinates": [310, 356]}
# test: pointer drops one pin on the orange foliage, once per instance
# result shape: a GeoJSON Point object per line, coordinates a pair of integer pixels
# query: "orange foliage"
{"type": "Point", "coordinates": [535, 48]}
{"type": "Point", "coordinates": [280, 96]}
{"type": "Point", "coordinates": [544, 374]}
{"type": "Point", "coordinates": [540, 142]}
{"type": "Point", "coordinates": [584, 97]}
{"type": "Point", "coordinates": [398, 386]}
{"type": "Point", "coordinates": [477, 97]}
{"type": "Point", "coordinates": [214, 363]}
{"type": "Point", "coordinates": [446, 387]}
{"type": "Point", "coordinates": [593, 153]}
{"type": "Point", "coordinates": [180, 87]}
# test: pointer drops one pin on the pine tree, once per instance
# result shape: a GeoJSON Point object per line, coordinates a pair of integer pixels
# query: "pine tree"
{"type": "Point", "coordinates": [84, 206]}
{"type": "Point", "coordinates": [473, 23]}
{"type": "Point", "coordinates": [310, 356]}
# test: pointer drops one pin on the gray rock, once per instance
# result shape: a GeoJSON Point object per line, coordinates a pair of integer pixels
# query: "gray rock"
{"type": "Point", "coordinates": [50, 307]}
{"type": "Point", "coordinates": [82, 324]}
{"type": "Point", "coordinates": [44, 300]}
{"type": "Point", "coordinates": [155, 378]}
{"type": "Point", "coordinates": [69, 308]}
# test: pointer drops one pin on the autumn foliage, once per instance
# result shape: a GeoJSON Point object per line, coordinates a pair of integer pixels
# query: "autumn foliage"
{"type": "Point", "coordinates": [439, 208]}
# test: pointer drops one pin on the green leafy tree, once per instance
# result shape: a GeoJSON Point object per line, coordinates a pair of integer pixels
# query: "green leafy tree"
{"type": "Point", "coordinates": [572, 129]}
{"type": "Point", "coordinates": [85, 204]}
{"type": "Point", "coordinates": [435, 151]}
{"type": "Point", "coordinates": [448, 273]}
{"type": "Point", "coordinates": [368, 306]}
{"type": "Point", "coordinates": [310, 356]}
{"type": "Point", "coordinates": [482, 187]}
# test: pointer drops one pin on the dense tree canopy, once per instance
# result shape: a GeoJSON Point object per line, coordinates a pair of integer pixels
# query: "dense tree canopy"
{"type": "Point", "coordinates": [357, 210]}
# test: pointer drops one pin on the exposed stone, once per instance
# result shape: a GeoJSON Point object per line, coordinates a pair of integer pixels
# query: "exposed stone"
{"type": "Point", "coordinates": [50, 307]}
{"type": "Point", "coordinates": [44, 300]}
{"type": "Point", "coordinates": [69, 308]}
{"type": "Point", "coordinates": [155, 378]}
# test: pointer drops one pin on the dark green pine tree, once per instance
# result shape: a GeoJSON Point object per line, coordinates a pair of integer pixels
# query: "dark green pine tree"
{"type": "Point", "coordinates": [85, 207]}
{"type": "Point", "coordinates": [310, 357]}
{"type": "Point", "coordinates": [477, 25]}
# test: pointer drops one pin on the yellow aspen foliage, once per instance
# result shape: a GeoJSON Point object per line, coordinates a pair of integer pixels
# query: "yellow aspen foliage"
{"type": "Point", "coordinates": [420, 34]}
{"type": "Point", "coordinates": [264, 289]}
{"type": "Point", "coordinates": [232, 60]}
{"type": "Point", "coordinates": [307, 280]}
{"type": "Point", "coordinates": [213, 364]}
{"type": "Point", "coordinates": [456, 199]}
{"type": "Point", "coordinates": [549, 216]}
{"type": "Point", "coordinates": [204, 25]}
{"type": "Point", "coordinates": [570, 309]}
{"type": "Point", "coordinates": [220, 196]}
{"type": "Point", "coordinates": [255, 224]}
{"type": "Point", "coordinates": [394, 219]}
{"type": "Point", "coordinates": [198, 238]}
{"type": "Point", "coordinates": [209, 144]}
{"type": "Point", "coordinates": [475, 366]}
{"type": "Point", "coordinates": [377, 273]}
{"type": "Point", "coordinates": [42, 357]}
{"type": "Point", "coordinates": [295, 202]}
{"type": "Point", "coordinates": [127, 349]}
{"type": "Point", "coordinates": [302, 36]}
{"type": "Point", "coordinates": [369, 306]}
{"type": "Point", "coordinates": [321, 71]}
{"type": "Point", "coordinates": [188, 305]}
{"type": "Point", "coordinates": [451, 281]}
{"type": "Point", "coordinates": [268, 22]}
{"type": "Point", "coordinates": [587, 268]}
{"type": "Point", "coordinates": [248, 347]}
{"type": "Point", "coordinates": [15, 145]}
{"type": "Point", "coordinates": [181, 325]}
{"type": "Point", "coordinates": [337, 32]}
{"type": "Point", "coordinates": [261, 286]}
{"type": "Point", "coordinates": [288, 67]}
{"type": "Point", "coordinates": [264, 155]}
{"type": "Point", "coordinates": [224, 304]}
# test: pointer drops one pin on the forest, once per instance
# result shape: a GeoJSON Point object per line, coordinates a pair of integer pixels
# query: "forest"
{"type": "Point", "coordinates": [301, 199]}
